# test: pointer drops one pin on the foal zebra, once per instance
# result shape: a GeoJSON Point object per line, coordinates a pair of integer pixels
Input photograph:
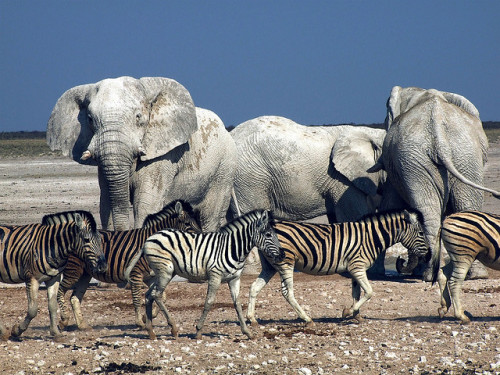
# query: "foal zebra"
{"type": "Point", "coordinates": [119, 247]}
{"type": "Point", "coordinates": [213, 256]}
{"type": "Point", "coordinates": [467, 236]}
{"type": "Point", "coordinates": [37, 253]}
{"type": "Point", "coordinates": [325, 249]}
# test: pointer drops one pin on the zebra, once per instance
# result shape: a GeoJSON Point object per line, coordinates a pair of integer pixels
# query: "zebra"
{"type": "Point", "coordinates": [215, 257]}
{"type": "Point", "coordinates": [119, 247]}
{"type": "Point", "coordinates": [466, 235]}
{"type": "Point", "coordinates": [37, 253]}
{"type": "Point", "coordinates": [325, 249]}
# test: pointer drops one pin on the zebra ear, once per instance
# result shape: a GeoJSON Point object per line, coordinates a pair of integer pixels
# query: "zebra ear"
{"type": "Point", "coordinates": [410, 217]}
{"type": "Point", "coordinates": [79, 220]}
{"type": "Point", "coordinates": [178, 208]}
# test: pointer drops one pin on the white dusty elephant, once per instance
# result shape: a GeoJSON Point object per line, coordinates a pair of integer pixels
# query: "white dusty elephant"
{"type": "Point", "coordinates": [434, 155]}
{"type": "Point", "coordinates": [151, 146]}
{"type": "Point", "coordinates": [301, 172]}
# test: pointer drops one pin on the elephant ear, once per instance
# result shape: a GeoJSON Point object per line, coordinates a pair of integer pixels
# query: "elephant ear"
{"type": "Point", "coordinates": [354, 153]}
{"type": "Point", "coordinates": [172, 116]}
{"type": "Point", "coordinates": [393, 106]}
{"type": "Point", "coordinates": [461, 102]}
{"type": "Point", "coordinates": [68, 129]}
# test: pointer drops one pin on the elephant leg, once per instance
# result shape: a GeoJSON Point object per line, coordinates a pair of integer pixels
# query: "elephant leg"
{"type": "Point", "coordinates": [76, 301]}
{"type": "Point", "coordinates": [287, 291]}
{"type": "Point", "coordinates": [234, 288]}
{"type": "Point", "coordinates": [213, 285]}
{"type": "Point", "coordinates": [32, 287]}
{"type": "Point", "coordinates": [265, 275]}
{"type": "Point", "coordinates": [52, 288]}
{"type": "Point", "coordinates": [443, 277]}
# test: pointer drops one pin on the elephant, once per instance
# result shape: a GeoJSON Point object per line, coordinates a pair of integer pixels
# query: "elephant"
{"type": "Point", "coordinates": [301, 172]}
{"type": "Point", "coordinates": [151, 146]}
{"type": "Point", "coordinates": [434, 155]}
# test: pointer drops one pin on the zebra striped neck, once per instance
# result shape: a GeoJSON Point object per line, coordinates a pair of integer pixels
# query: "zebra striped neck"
{"type": "Point", "coordinates": [385, 230]}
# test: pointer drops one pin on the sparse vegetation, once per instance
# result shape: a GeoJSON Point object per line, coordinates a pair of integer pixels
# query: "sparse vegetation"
{"type": "Point", "coordinates": [33, 144]}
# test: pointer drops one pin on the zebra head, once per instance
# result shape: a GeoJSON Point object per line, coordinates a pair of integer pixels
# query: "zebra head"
{"type": "Point", "coordinates": [412, 238]}
{"type": "Point", "coordinates": [178, 214]}
{"type": "Point", "coordinates": [87, 243]}
{"type": "Point", "coordinates": [266, 239]}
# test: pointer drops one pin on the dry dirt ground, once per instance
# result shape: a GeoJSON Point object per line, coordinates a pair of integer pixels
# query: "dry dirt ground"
{"type": "Point", "coordinates": [401, 332]}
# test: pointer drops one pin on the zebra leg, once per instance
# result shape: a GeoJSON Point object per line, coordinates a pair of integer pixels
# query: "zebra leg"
{"type": "Point", "coordinates": [76, 301]}
{"type": "Point", "coordinates": [455, 281]}
{"type": "Point", "coordinates": [234, 288]}
{"type": "Point", "coordinates": [287, 291]}
{"type": "Point", "coordinates": [443, 276]}
{"type": "Point", "coordinates": [213, 285]}
{"type": "Point", "coordinates": [360, 281]}
{"type": "Point", "coordinates": [155, 294]}
{"type": "Point", "coordinates": [265, 275]}
{"type": "Point", "coordinates": [52, 288]}
{"type": "Point", "coordinates": [63, 307]}
{"type": "Point", "coordinates": [136, 280]}
{"type": "Point", "coordinates": [32, 286]}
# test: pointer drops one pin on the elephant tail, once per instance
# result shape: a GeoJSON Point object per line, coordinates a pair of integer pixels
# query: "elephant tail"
{"type": "Point", "coordinates": [235, 203]}
{"type": "Point", "coordinates": [444, 157]}
{"type": "Point", "coordinates": [132, 264]}
{"type": "Point", "coordinates": [454, 171]}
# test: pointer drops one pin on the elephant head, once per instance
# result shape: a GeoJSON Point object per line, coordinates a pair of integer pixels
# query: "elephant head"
{"type": "Point", "coordinates": [402, 100]}
{"type": "Point", "coordinates": [364, 145]}
{"type": "Point", "coordinates": [114, 124]}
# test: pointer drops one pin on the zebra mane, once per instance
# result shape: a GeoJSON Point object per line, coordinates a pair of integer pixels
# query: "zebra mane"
{"type": "Point", "coordinates": [245, 218]}
{"type": "Point", "coordinates": [393, 213]}
{"type": "Point", "coordinates": [169, 210]}
{"type": "Point", "coordinates": [68, 216]}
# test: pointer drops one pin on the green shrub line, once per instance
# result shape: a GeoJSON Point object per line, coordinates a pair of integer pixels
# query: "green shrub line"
{"type": "Point", "coordinates": [33, 144]}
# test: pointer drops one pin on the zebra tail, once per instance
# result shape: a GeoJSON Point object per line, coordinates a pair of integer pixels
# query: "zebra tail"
{"type": "Point", "coordinates": [132, 264]}
{"type": "Point", "coordinates": [436, 257]}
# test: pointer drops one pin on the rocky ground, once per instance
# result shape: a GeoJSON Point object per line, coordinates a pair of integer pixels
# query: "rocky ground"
{"type": "Point", "coordinates": [401, 332]}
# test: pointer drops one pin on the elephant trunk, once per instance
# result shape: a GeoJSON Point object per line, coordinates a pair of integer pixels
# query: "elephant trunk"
{"type": "Point", "coordinates": [116, 173]}
{"type": "Point", "coordinates": [410, 265]}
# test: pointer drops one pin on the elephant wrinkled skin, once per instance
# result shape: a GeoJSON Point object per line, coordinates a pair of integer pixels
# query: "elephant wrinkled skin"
{"type": "Point", "coordinates": [151, 146]}
{"type": "Point", "coordinates": [434, 155]}
{"type": "Point", "coordinates": [301, 172]}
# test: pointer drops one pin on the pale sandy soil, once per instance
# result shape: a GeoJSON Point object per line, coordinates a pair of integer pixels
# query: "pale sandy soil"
{"type": "Point", "coordinates": [401, 332]}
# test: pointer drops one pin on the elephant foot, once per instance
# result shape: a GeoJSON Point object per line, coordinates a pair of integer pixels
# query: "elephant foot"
{"type": "Point", "coordinates": [477, 271]}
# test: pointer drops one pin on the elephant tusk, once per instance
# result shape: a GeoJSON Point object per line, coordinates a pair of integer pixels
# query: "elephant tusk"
{"type": "Point", "coordinates": [142, 152]}
{"type": "Point", "coordinates": [86, 155]}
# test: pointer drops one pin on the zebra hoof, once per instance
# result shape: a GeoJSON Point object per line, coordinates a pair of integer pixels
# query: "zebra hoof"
{"type": "Point", "coordinates": [16, 331]}
{"type": "Point", "coordinates": [442, 312]}
{"type": "Point", "coordinates": [346, 313]}
{"type": "Point", "coordinates": [152, 335]}
{"type": "Point", "coordinates": [254, 323]}
{"type": "Point", "coordinates": [4, 336]}
{"type": "Point", "coordinates": [310, 324]}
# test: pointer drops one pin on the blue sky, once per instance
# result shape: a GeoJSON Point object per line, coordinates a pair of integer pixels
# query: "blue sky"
{"type": "Point", "coordinates": [315, 62]}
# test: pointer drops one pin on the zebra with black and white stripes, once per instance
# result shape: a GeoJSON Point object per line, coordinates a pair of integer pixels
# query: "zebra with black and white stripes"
{"type": "Point", "coordinates": [119, 248]}
{"type": "Point", "coordinates": [466, 236]}
{"type": "Point", "coordinates": [37, 253]}
{"type": "Point", "coordinates": [326, 249]}
{"type": "Point", "coordinates": [215, 257]}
